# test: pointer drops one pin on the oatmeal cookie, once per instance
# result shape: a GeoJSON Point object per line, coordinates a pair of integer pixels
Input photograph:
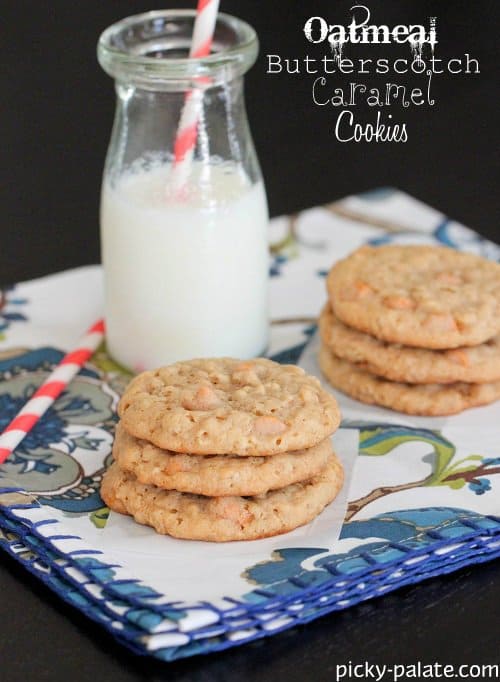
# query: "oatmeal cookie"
{"type": "Point", "coordinates": [222, 519]}
{"type": "Point", "coordinates": [226, 406]}
{"type": "Point", "coordinates": [424, 296]}
{"type": "Point", "coordinates": [425, 399]}
{"type": "Point", "coordinates": [472, 364]}
{"type": "Point", "coordinates": [217, 474]}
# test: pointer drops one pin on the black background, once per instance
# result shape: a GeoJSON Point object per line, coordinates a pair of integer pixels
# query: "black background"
{"type": "Point", "coordinates": [56, 115]}
{"type": "Point", "coordinates": [57, 110]}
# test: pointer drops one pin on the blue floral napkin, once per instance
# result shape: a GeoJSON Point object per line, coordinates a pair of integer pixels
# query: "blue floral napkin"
{"type": "Point", "coordinates": [422, 495]}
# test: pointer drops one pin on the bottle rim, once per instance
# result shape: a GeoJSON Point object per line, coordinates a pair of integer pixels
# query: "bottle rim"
{"type": "Point", "coordinates": [129, 61]}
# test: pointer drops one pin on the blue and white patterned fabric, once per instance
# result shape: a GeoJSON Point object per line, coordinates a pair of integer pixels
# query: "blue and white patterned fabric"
{"type": "Point", "coordinates": [422, 495]}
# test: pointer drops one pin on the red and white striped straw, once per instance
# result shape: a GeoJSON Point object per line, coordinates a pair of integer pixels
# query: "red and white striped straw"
{"type": "Point", "coordinates": [49, 391]}
{"type": "Point", "coordinates": [185, 141]}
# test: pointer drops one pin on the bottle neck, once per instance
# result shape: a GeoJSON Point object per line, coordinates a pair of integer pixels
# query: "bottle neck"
{"type": "Point", "coordinates": [147, 123]}
{"type": "Point", "coordinates": [151, 50]}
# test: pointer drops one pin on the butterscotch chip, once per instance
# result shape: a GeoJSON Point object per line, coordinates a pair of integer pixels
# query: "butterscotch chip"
{"type": "Point", "coordinates": [218, 474]}
{"type": "Point", "coordinates": [221, 519]}
{"type": "Point", "coordinates": [425, 399]}
{"type": "Point", "coordinates": [424, 296]}
{"type": "Point", "coordinates": [399, 302]}
{"type": "Point", "coordinates": [223, 406]}
{"type": "Point", "coordinates": [475, 364]}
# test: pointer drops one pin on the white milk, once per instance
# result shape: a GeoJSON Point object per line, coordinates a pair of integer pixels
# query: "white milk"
{"type": "Point", "coordinates": [184, 279]}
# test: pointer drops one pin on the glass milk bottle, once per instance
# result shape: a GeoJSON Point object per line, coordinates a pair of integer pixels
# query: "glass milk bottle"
{"type": "Point", "coordinates": [185, 253]}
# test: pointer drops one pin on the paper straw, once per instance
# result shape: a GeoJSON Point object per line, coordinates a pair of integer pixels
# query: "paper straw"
{"type": "Point", "coordinates": [185, 141]}
{"type": "Point", "coordinates": [49, 391]}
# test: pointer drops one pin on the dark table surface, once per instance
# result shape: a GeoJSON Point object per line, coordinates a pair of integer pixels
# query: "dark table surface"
{"type": "Point", "coordinates": [56, 115]}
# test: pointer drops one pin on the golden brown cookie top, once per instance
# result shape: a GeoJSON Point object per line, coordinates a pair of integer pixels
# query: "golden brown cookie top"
{"type": "Point", "coordinates": [228, 406]}
{"type": "Point", "coordinates": [425, 296]}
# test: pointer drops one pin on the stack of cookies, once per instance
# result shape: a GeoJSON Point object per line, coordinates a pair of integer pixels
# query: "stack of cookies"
{"type": "Point", "coordinates": [413, 328]}
{"type": "Point", "coordinates": [221, 449]}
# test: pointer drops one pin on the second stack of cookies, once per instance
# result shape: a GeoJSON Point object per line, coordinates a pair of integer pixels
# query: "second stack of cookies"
{"type": "Point", "coordinates": [220, 450]}
{"type": "Point", "coordinates": [413, 328]}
